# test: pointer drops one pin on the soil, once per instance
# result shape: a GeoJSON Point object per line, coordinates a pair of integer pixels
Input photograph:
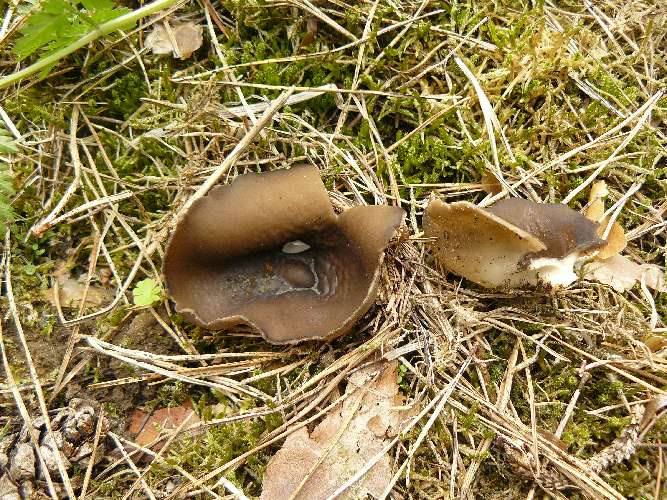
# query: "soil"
{"type": "Point", "coordinates": [141, 331]}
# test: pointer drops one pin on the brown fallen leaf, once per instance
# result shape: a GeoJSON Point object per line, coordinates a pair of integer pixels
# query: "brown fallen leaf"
{"type": "Point", "coordinates": [311, 32]}
{"type": "Point", "coordinates": [148, 427]}
{"type": "Point", "coordinates": [490, 184]}
{"type": "Point", "coordinates": [655, 342]}
{"type": "Point", "coordinates": [349, 437]}
{"type": "Point", "coordinates": [622, 274]}
{"type": "Point", "coordinates": [180, 40]}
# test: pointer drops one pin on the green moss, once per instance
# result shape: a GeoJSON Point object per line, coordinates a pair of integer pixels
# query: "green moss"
{"type": "Point", "coordinates": [577, 436]}
{"type": "Point", "coordinates": [433, 158]}
{"type": "Point", "coordinates": [38, 106]}
{"type": "Point", "coordinates": [401, 380]}
{"type": "Point", "coordinates": [112, 410]}
{"type": "Point", "coordinates": [561, 383]}
{"type": "Point", "coordinates": [636, 478]}
{"type": "Point", "coordinates": [605, 81]}
{"type": "Point", "coordinates": [113, 487]}
{"type": "Point", "coordinates": [125, 95]}
{"type": "Point", "coordinates": [497, 371]}
{"type": "Point", "coordinates": [221, 444]}
{"type": "Point", "coordinates": [469, 420]}
{"type": "Point", "coordinates": [170, 395]}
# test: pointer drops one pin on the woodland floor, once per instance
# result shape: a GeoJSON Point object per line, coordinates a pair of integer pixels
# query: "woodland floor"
{"type": "Point", "coordinates": [524, 393]}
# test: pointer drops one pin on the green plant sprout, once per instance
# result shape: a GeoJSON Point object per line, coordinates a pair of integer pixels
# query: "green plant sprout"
{"type": "Point", "coordinates": [147, 292]}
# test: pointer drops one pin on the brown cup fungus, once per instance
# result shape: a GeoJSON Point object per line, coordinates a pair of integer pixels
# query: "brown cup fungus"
{"type": "Point", "coordinates": [268, 251]}
{"type": "Point", "coordinates": [512, 244]}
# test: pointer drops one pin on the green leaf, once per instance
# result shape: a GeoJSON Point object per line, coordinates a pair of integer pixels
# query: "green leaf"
{"type": "Point", "coordinates": [147, 292]}
{"type": "Point", "coordinates": [6, 187]}
{"type": "Point", "coordinates": [60, 22]}
{"type": "Point", "coordinates": [6, 143]}
{"type": "Point", "coordinates": [100, 11]}
{"type": "Point", "coordinates": [6, 212]}
{"type": "Point", "coordinates": [43, 27]}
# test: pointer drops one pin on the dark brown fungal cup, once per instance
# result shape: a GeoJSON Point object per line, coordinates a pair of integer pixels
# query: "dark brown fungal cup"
{"type": "Point", "coordinates": [563, 231]}
{"type": "Point", "coordinates": [511, 244]}
{"type": "Point", "coordinates": [268, 251]}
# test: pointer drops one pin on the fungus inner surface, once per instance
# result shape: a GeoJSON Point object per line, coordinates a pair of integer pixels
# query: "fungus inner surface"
{"type": "Point", "coordinates": [267, 250]}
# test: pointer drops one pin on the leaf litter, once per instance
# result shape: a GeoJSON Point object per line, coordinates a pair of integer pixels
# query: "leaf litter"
{"type": "Point", "coordinates": [574, 364]}
{"type": "Point", "coordinates": [147, 427]}
{"type": "Point", "coordinates": [313, 465]}
{"type": "Point", "coordinates": [75, 291]}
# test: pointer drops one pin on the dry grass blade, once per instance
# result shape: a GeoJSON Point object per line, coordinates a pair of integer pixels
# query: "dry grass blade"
{"type": "Point", "coordinates": [518, 394]}
{"type": "Point", "coordinates": [19, 400]}
{"type": "Point", "coordinates": [34, 378]}
{"type": "Point", "coordinates": [45, 223]}
{"type": "Point", "coordinates": [643, 117]}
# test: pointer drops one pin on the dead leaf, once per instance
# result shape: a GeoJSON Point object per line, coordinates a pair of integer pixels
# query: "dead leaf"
{"type": "Point", "coordinates": [71, 290]}
{"type": "Point", "coordinates": [490, 184]}
{"type": "Point", "coordinates": [311, 32]}
{"type": "Point", "coordinates": [655, 342]}
{"type": "Point", "coordinates": [622, 274]}
{"type": "Point", "coordinates": [349, 436]}
{"type": "Point", "coordinates": [148, 427]}
{"type": "Point", "coordinates": [180, 40]}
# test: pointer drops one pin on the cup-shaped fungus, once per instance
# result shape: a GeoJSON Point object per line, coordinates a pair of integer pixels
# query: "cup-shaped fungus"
{"type": "Point", "coordinates": [513, 243]}
{"type": "Point", "coordinates": [268, 251]}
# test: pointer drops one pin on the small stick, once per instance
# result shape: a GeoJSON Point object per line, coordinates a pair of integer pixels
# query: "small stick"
{"type": "Point", "coordinates": [585, 377]}
{"type": "Point", "coordinates": [91, 460]}
{"type": "Point", "coordinates": [46, 222]}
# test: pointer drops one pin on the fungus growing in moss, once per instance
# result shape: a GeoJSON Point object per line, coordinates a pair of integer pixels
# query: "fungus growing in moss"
{"type": "Point", "coordinates": [514, 243]}
{"type": "Point", "coordinates": [268, 251]}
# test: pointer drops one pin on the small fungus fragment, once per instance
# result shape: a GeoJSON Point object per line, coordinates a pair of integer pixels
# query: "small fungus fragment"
{"type": "Point", "coordinates": [616, 240]}
{"type": "Point", "coordinates": [514, 243]}
{"type": "Point", "coordinates": [622, 274]}
{"type": "Point", "coordinates": [268, 251]}
{"type": "Point", "coordinates": [296, 246]}
{"type": "Point", "coordinates": [610, 267]}
{"type": "Point", "coordinates": [180, 40]}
